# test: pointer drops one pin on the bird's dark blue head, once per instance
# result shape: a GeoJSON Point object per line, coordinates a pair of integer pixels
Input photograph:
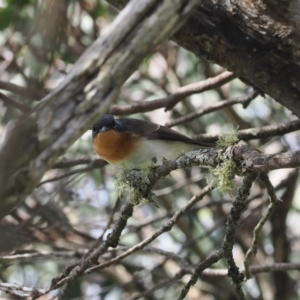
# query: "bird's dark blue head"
{"type": "Point", "coordinates": [107, 123]}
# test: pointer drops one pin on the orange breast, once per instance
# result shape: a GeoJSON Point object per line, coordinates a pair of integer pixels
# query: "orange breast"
{"type": "Point", "coordinates": [114, 146]}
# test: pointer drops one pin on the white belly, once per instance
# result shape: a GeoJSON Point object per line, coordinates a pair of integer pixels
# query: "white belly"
{"type": "Point", "coordinates": [155, 151]}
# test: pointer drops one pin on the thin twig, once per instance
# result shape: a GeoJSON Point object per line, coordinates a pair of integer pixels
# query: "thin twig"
{"type": "Point", "coordinates": [23, 291]}
{"type": "Point", "coordinates": [157, 286]}
{"type": "Point", "coordinates": [68, 275]}
{"type": "Point", "coordinates": [274, 201]}
{"type": "Point", "coordinates": [215, 257]}
{"type": "Point", "coordinates": [13, 103]}
{"type": "Point", "coordinates": [65, 162]}
{"type": "Point", "coordinates": [73, 172]}
{"type": "Point", "coordinates": [214, 107]}
{"type": "Point", "coordinates": [170, 101]}
{"type": "Point", "coordinates": [276, 267]}
{"type": "Point", "coordinates": [44, 254]}
{"type": "Point", "coordinates": [256, 133]}
{"type": "Point", "coordinates": [22, 91]}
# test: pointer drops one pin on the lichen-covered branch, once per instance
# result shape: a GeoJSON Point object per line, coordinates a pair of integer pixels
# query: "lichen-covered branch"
{"type": "Point", "coordinates": [254, 160]}
{"type": "Point", "coordinates": [213, 258]}
{"type": "Point", "coordinates": [274, 202]}
{"type": "Point", "coordinates": [68, 276]}
{"type": "Point", "coordinates": [142, 181]}
{"type": "Point", "coordinates": [238, 206]}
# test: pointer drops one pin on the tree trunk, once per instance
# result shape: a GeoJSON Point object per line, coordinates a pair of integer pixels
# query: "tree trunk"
{"type": "Point", "coordinates": [257, 40]}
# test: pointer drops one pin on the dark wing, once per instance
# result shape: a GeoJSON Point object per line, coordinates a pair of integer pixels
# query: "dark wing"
{"type": "Point", "coordinates": [153, 131]}
{"type": "Point", "coordinates": [165, 133]}
{"type": "Point", "coordinates": [139, 127]}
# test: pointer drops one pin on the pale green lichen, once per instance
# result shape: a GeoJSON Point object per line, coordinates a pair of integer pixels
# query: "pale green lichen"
{"type": "Point", "coordinates": [121, 183]}
{"type": "Point", "coordinates": [228, 139]}
{"type": "Point", "coordinates": [222, 177]}
{"type": "Point", "coordinates": [136, 183]}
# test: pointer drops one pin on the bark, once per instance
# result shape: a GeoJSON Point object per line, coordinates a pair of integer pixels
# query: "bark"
{"type": "Point", "coordinates": [257, 40]}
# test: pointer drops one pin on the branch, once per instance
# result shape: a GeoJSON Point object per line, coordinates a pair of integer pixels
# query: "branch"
{"type": "Point", "coordinates": [73, 172]}
{"type": "Point", "coordinates": [65, 162]}
{"type": "Point", "coordinates": [256, 133]}
{"type": "Point", "coordinates": [237, 209]}
{"type": "Point", "coordinates": [149, 291]}
{"type": "Point", "coordinates": [248, 158]}
{"type": "Point", "coordinates": [141, 182]}
{"type": "Point", "coordinates": [201, 87]}
{"type": "Point", "coordinates": [213, 258]}
{"type": "Point", "coordinates": [76, 270]}
{"type": "Point", "coordinates": [253, 160]}
{"type": "Point", "coordinates": [11, 102]}
{"type": "Point", "coordinates": [255, 269]}
{"type": "Point", "coordinates": [258, 228]}
{"type": "Point", "coordinates": [22, 91]}
{"type": "Point", "coordinates": [170, 101]}
{"type": "Point", "coordinates": [19, 290]}
{"type": "Point", "coordinates": [245, 100]}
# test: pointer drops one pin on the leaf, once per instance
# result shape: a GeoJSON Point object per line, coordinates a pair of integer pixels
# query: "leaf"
{"type": "Point", "coordinates": [6, 15]}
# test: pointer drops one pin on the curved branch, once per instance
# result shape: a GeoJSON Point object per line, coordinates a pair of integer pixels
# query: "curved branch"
{"type": "Point", "coordinates": [13, 103]}
{"type": "Point", "coordinates": [170, 101]}
{"type": "Point", "coordinates": [200, 87]}
{"type": "Point", "coordinates": [252, 159]}
{"type": "Point", "coordinates": [245, 100]}
{"type": "Point", "coordinates": [73, 172]}
{"type": "Point", "coordinates": [256, 133]}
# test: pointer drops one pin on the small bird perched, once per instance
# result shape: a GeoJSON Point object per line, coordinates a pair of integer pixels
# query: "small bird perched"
{"type": "Point", "coordinates": [128, 142]}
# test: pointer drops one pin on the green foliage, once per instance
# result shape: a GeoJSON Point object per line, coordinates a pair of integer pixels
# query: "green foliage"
{"type": "Point", "coordinates": [6, 15]}
{"type": "Point", "coordinates": [228, 139]}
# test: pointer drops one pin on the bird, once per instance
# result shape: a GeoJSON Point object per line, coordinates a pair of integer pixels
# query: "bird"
{"type": "Point", "coordinates": [128, 143]}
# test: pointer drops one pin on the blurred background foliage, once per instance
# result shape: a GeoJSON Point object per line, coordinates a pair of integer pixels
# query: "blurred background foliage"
{"type": "Point", "coordinates": [74, 207]}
